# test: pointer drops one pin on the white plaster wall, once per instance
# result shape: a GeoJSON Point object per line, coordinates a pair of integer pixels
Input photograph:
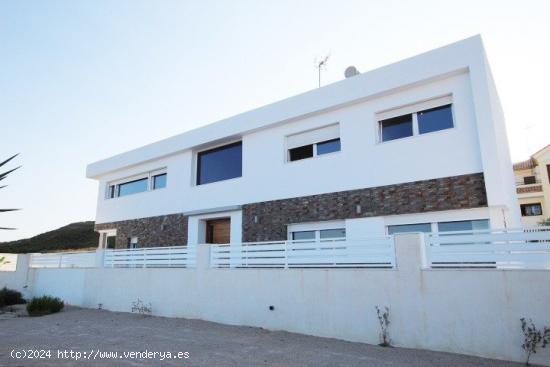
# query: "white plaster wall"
{"type": "Point", "coordinates": [471, 311]}
{"type": "Point", "coordinates": [362, 162]}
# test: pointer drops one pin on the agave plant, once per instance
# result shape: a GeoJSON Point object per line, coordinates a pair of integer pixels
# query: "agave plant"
{"type": "Point", "coordinates": [3, 176]}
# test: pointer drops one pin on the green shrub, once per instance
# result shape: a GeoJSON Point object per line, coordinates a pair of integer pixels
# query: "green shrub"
{"type": "Point", "coordinates": [39, 306]}
{"type": "Point", "coordinates": [10, 297]}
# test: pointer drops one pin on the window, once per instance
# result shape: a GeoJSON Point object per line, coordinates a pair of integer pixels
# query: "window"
{"type": "Point", "coordinates": [140, 183]}
{"type": "Point", "coordinates": [464, 225]}
{"type": "Point", "coordinates": [328, 146]}
{"type": "Point", "coordinates": [159, 181]}
{"type": "Point", "coordinates": [528, 180]}
{"type": "Point", "coordinates": [406, 228]}
{"type": "Point", "coordinates": [419, 118]}
{"type": "Point", "coordinates": [132, 187]}
{"type": "Point", "coordinates": [435, 119]}
{"type": "Point", "coordinates": [332, 233]}
{"type": "Point", "coordinates": [303, 235]}
{"type": "Point", "coordinates": [322, 234]}
{"type": "Point", "coordinates": [312, 143]}
{"type": "Point", "coordinates": [396, 127]}
{"type": "Point", "coordinates": [528, 210]}
{"type": "Point", "coordinates": [301, 152]}
{"type": "Point", "coordinates": [219, 164]}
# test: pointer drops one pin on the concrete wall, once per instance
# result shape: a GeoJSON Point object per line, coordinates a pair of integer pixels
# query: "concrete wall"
{"type": "Point", "coordinates": [471, 311]}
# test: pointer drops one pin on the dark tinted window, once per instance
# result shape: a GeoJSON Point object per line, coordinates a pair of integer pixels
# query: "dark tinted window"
{"type": "Point", "coordinates": [328, 146]}
{"type": "Point", "coordinates": [529, 180]}
{"type": "Point", "coordinates": [112, 191]}
{"type": "Point", "coordinates": [405, 228]}
{"type": "Point", "coordinates": [303, 235]}
{"type": "Point", "coordinates": [159, 181]}
{"type": "Point", "coordinates": [301, 152]}
{"type": "Point", "coordinates": [528, 210]}
{"type": "Point", "coordinates": [332, 233]}
{"type": "Point", "coordinates": [435, 119]}
{"type": "Point", "coordinates": [132, 187]}
{"type": "Point", "coordinates": [396, 127]}
{"type": "Point", "coordinates": [463, 225]}
{"type": "Point", "coordinates": [220, 163]}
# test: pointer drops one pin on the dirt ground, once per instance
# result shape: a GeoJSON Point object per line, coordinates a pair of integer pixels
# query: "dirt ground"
{"type": "Point", "coordinates": [92, 334]}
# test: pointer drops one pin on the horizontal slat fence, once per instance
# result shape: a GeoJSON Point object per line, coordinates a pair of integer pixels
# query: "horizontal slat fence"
{"type": "Point", "coordinates": [334, 253]}
{"type": "Point", "coordinates": [505, 249]}
{"type": "Point", "coordinates": [63, 260]}
{"type": "Point", "coordinates": [151, 257]}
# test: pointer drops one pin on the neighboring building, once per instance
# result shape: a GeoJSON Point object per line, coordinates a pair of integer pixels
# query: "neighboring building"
{"type": "Point", "coordinates": [419, 145]}
{"type": "Point", "coordinates": [533, 187]}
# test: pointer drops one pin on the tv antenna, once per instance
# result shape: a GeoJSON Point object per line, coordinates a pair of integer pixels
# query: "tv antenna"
{"type": "Point", "coordinates": [321, 64]}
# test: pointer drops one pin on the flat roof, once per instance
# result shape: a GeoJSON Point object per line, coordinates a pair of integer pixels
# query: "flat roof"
{"type": "Point", "coordinates": [432, 65]}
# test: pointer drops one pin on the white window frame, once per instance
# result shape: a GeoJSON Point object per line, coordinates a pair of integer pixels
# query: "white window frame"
{"type": "Point", "coordinates": [315, 226]}
{"type": "Point", "coordinates": [148, 175]}
{"type": "Point", "coordinates": [314, 142]}
{"type": "Point", "coordinates": [413, 109]}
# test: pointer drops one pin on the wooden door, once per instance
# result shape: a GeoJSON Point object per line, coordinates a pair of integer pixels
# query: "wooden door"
{"type": "Point", "coordinates": [218, 231]}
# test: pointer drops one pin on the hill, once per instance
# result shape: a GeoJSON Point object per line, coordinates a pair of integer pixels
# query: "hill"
{"type": "Point", "coordinates": [74, 236]}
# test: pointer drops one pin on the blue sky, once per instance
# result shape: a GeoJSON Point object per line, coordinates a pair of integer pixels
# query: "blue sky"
{"type": "Point", "coordinates": [83, 80]}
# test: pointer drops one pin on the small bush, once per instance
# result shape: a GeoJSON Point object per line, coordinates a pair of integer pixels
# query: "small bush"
{"type": "Point", "coordinates": [39, 306]}
{"type": "Point", "coordinates": [10, 297]}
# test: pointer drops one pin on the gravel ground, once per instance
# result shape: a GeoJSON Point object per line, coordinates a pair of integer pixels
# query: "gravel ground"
{"type": "Point", "coordinates": [208, 344]}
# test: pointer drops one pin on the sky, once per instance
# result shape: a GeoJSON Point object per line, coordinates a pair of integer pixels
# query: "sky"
{"type": "Point", "coordinates": [83, 80]}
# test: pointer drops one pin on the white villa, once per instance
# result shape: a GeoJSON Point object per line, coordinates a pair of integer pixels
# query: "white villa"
{"type": "Point", "coordinates": [418, 145]}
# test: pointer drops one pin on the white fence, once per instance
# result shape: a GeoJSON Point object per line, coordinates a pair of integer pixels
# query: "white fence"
{"type": "Point", "coordinates": [334, 253]}
{"type": "Point", "coordinates": [151, 257]}
{"type": "Point", "coordinates": [8, 262]}
{"type": "Point", "coordinates": [63, 260]}
{"type": "Point", "coordinates": [503, 249]}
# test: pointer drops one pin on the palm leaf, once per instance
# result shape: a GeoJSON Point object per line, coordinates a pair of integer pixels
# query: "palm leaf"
{"type": "Point", "coordinates": [9, 159]}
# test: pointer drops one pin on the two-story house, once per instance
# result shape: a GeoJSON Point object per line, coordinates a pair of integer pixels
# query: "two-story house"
{"type": "Point", "coordinates": [418, 145]}
{"type": "Point", "coordinates": [533, 187]}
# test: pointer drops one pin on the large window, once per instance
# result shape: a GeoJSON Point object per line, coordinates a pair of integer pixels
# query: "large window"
{"type": "Point", "coordinates": [420, 118]}
{"type": "Point", "coordinates": [140, 183]}
{"type": "Point", "coordinates": [529, 210]}
{"type": "Point", "coordinates": [219, 164]}
{"type": "Point", "coordinates": [315, 142]}
{"type": "Point", "coordinates": [132, 187]}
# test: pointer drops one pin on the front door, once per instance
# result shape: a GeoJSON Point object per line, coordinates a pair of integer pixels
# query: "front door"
{"type": "Point", "coordinates": [218, 231]}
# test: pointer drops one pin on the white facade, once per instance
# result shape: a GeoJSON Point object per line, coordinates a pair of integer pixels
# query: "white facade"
{"type": "Point", "coordinates": [476, 143]}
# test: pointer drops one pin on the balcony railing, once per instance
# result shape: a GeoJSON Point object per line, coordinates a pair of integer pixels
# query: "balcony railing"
{"type": "Point", "coordinates": [333, 253]}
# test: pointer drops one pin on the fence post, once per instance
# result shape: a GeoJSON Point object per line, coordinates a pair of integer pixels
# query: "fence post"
{"type": "Point", "coordinates": [99, 258]}
{"type": "Point", "coordinates": [424, 252]}
{"type": "Point", "coordinates": [286, 254]}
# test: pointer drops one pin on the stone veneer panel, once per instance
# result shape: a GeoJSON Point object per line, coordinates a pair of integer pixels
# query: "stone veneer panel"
{"type": "Point", "coordinates": [449, 193]}
{"type": "Point", "coordinates": [164, 230]}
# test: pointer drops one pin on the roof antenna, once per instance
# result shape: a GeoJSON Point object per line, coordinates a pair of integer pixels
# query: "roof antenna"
{"type": "Point", "coordinates": [321, 64]}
